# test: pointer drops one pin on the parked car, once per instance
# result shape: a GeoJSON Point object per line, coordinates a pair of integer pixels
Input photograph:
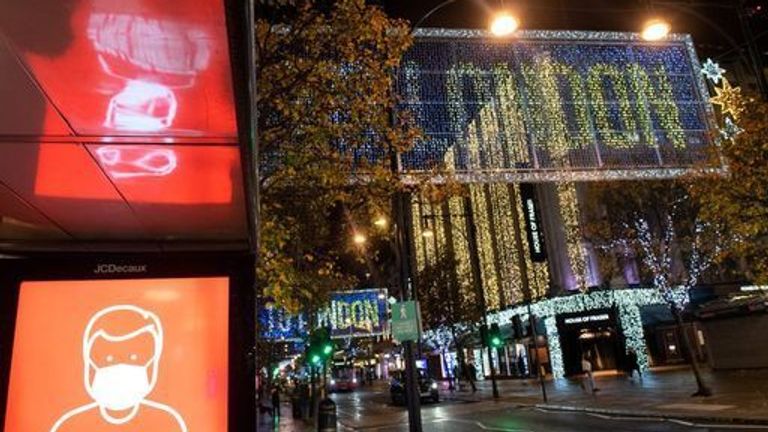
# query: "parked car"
{"type": "Point", "coordinates": [428, 388]}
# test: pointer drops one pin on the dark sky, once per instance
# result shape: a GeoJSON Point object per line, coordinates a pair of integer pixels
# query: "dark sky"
{"type": "Point", "coordinates": [618, 15]}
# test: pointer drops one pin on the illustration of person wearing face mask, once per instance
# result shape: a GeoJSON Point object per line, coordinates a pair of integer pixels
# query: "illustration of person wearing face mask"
{"type": "Point", "coordinates": [121, 354]}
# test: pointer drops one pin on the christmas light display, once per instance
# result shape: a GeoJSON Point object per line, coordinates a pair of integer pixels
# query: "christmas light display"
{"type": "Point", "coordinates": [628, 303]}
{"type": "Point", "coordinates": [712, 71]}
{"type": "Point", "coordinates": [730, 130]}
{"type": "Point", "coordinates": [570, 214]}
{"type": "Point", "coordinates": [729, 99]}
{"type": "Point", "coordinates": [494, 217]}
{"type": "Point", "coordinates": [557, 102]}
{"type": "Point", "coordinates": [350, 314]}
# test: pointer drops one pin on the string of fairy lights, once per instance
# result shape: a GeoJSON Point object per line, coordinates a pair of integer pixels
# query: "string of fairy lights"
{"type": "Point", "coordinates": [627, 303]}
{"type": "Point", "coordinates": [554, 100]}
{"type": "Point", "coordinates": [560, 101]}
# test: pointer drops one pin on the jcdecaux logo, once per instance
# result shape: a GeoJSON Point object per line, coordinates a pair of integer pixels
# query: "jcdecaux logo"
{"type": "Point", "coordinates": [118, 268]}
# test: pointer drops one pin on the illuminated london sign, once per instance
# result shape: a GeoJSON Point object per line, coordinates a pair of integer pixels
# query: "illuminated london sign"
{"type": "Point", "coordinates": [556, 102]}
{"type": "Point", "coordinates": [359, 313]}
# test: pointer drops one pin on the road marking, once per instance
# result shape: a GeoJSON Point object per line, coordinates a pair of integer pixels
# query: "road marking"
{"type": "Point", "coordinates": [480, 425]}
{"type": "Point", "coordinates": [661, 420]}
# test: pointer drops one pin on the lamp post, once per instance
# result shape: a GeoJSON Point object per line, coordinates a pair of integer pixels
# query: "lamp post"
{"type": "Point", "coordinates": [400, 208]}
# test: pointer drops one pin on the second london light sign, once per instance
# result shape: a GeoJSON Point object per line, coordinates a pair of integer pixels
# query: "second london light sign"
{"type": "Point", "coordinates": [554, 101]}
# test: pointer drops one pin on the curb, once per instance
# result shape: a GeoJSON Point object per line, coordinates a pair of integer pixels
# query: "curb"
{"type": "Point", "coordinates": [747, 421]}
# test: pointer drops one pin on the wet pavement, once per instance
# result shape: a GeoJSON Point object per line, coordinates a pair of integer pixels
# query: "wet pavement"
{"type": "Point", "coordinates": [660, 402]}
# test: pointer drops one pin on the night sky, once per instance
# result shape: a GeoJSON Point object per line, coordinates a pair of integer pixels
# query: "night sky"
{"type": "Point", "coordinates": [615, 15]}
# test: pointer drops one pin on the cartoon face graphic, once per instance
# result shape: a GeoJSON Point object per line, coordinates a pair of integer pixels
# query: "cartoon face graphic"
{"type": "Point", "coordinates": [122, 347]}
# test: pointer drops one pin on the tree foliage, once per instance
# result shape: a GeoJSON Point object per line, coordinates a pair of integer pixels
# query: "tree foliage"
{"type": "Point", "coordinates": [738, 200]}
{"type": "Point", "coordinates": [659, 224]}
{"type": "Point", "coordinates": [443, 307]}
{"type": "Point", "coordinates": [324, 98]}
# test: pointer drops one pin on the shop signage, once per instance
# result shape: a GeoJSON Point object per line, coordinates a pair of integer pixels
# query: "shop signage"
{"type": "Point", "coordinates": [586, 319]}
{"type": "Point", "coordinates": [533, 226]}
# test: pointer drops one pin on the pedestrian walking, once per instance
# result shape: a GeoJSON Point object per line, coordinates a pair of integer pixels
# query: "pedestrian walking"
{"type": "Point", "coordinates": [456, 378]}
{"type": "Point", "coordinates": [275, 403]}
{"type": "Point", "coordinates": [632, 364]}
{"type": "Point", "coordinates": [471, 375]}
{"type": "Point", "coordinates": [588, 379]}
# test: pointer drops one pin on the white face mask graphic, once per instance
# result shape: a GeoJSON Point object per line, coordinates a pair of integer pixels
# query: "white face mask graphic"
{"type": "Point", "coordinates": [120, 387]}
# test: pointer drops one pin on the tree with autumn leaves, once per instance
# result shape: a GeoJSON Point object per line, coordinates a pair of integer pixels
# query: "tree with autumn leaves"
{"type": "Point", "coordinates": [737, 197]}
{"type": "Point", "coordinates": [325, 96]}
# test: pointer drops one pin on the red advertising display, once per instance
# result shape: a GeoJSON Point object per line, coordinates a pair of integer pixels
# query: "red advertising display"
{"type": "Point", "coordinates": [123, 110]}
{"type": "Point", "coordinates": [120, 355]}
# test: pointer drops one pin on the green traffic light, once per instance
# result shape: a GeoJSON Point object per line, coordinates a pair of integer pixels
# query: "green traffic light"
{"type": "Point", "coordinates": [496, 341]}
{"type": "Point", "coordinates": [327, 349]}
{"type": "Point", "coordinates": [315, 359]}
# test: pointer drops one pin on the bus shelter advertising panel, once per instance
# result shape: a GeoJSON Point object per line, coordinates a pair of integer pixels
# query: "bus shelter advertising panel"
{"type": "Point", "coordinates": [120, 354]}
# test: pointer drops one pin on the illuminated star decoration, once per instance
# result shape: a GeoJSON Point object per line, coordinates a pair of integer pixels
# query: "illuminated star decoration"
{"type": "Point", "coordinates": [730, 130]}
{"type": "Point", "coordinates": [729, 99]}
{"type": "Point", "coordinates": [712, 71]}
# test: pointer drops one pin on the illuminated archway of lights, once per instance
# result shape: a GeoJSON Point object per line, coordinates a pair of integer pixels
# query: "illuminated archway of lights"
{"type": "Point", "coordinates": [628, 303]}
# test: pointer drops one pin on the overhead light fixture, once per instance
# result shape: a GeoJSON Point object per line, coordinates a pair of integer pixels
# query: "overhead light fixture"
{"type": "Point", "coordinates": [504, 24]}
{"type": "Point", "coordinates": [656, 29]}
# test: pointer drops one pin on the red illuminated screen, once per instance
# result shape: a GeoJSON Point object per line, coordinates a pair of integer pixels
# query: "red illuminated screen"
{"type": "Point", "coordinates": [120, 355]}
{"type": "Point", "coordinates": [138, 67]}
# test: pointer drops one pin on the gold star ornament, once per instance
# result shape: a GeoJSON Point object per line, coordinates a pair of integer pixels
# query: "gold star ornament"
{"type": "Point", "coordinates": [729, 99]}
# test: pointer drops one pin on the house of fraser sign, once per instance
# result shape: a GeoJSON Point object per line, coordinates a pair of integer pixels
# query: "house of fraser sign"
{"type": "Point", "coordinates": [599, 104]}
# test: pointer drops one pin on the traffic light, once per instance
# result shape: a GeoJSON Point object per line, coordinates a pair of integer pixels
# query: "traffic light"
{"type": "Point", "coordinates": [319, 347]}
{"type": "Point", "coordinates": [494, 336]}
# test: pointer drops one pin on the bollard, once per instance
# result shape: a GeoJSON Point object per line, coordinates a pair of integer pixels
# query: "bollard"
{"type": "Point", "coordinates": [326, 416]}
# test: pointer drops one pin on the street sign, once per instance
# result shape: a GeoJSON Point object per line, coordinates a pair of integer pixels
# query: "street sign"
{"type": "Point", "coordinates": [406, 321]}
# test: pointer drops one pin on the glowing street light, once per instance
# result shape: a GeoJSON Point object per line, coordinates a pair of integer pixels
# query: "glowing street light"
{"type": "Point", "coordinates": [381, 222]}
{"type": "Point", "coordinates": [504, 24]}
{"type": "Point", "coordinates": [359, 239]}
{"type": "Point", "coordinates": [655, 30]}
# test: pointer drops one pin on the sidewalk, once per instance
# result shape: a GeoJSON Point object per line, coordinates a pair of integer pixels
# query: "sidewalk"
{"type": "Point", "coordinates": [286, 423]}
{"type": "Point", "coordinates": [738, 396]}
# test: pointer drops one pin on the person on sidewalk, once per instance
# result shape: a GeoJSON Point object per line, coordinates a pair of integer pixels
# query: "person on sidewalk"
{"type": "Point", "coordinates": [276, 403]}
{"type": "Point", "coordinates": [588, 380]}
{"type": "Point", "coordinates": [633, 365]}
{"type": "Point", "coordinates": [456, 378]}
{"type": "Point", "coordinates": [471, 375]}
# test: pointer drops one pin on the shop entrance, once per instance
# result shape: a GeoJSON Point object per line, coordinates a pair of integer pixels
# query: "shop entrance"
{"type": "Point", "coordinates": [594, 334]}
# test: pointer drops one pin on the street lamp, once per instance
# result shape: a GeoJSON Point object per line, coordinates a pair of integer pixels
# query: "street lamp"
{"type": "Point", "coordinates": [658, 29]}
{"type": "Point", "coordinates": [359, 239]}
{"type": "Point", "coordinates": [504, 24]}
{"type": "Point", "coordinates": [381, 222]}
{"type": "Point", "coordinates": [655, 30]}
